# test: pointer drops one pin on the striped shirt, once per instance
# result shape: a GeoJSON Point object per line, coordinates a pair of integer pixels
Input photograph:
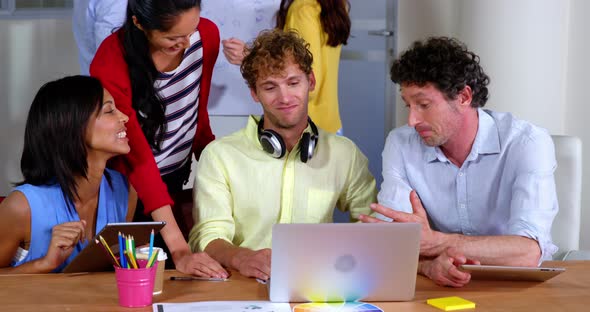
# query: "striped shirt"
{"type": "Point", "coordinates": [179, 91]}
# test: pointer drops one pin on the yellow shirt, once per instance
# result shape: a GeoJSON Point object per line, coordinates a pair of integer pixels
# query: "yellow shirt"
{"type": "Point", "coordinates": [304, 18]}
{"type": "Point", "coordinates": [241, 190]}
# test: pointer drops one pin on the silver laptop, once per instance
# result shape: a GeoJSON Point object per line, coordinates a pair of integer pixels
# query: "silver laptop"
{"type": "Point", "coordinates": [344, 262]}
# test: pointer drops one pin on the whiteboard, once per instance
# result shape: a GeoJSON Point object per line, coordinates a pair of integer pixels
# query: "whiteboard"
{"type": "Point", "coordinates": [242, 19]}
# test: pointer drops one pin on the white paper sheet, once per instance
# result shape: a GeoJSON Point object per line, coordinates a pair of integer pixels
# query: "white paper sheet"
{"type": "Point", "coordinates": [222, 306]}
{"type": "Point", "coordinates": [242, 19]}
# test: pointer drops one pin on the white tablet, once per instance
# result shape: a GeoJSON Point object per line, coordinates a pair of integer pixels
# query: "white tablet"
{"type": "Point", "coordinates": [93, 259]}
{"type": "Point", "coordinates": [510, 273]}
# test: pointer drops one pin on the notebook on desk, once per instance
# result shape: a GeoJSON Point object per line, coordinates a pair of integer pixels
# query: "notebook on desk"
{"type": "Point", "coordinates": [344, 262]}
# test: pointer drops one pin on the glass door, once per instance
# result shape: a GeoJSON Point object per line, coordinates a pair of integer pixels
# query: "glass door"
{"type": "Point", "coordinates": [367, 102]}
{"type": "Point", "coordinates": [366, 93]}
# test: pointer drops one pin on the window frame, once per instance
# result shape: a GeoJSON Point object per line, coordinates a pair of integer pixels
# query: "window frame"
{"type": "Point", "coordinates": [8, 10]}
{"type": "Point", "coordinates": [6, 7]}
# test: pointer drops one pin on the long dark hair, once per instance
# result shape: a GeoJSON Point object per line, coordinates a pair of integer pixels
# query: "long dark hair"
{"type": "Point", "coordinates": [334, 18]}
{"type": "Point", "coordinates": [54, 148]}
{"type": "Point", "coordinates": [151, 15]}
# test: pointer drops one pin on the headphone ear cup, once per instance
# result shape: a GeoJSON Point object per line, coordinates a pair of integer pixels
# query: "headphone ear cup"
{"type": "Point", "coordinates": [305, 153]}
{"type": "Point", "coordinates": [272, 143]}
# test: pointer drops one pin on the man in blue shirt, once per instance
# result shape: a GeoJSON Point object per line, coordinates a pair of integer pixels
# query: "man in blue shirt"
{"type": "Point", "coordinates": [480, 182]}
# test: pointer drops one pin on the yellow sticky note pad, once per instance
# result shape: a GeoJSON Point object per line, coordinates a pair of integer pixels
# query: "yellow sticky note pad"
{"type": "Point", "coordinates": [451, 303]}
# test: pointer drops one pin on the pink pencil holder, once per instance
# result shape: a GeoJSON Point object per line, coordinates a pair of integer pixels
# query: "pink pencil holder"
{"type": "Point", "coordinates": [136, 285]}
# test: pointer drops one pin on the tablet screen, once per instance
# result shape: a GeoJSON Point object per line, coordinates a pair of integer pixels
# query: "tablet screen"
{"type": "Point", "coordinates": [511, 273]}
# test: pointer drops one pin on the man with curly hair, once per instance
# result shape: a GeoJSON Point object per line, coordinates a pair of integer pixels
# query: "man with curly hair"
{"type": "Point", "coordinates": [480, 182]}
{"type": "Point", "coordinates": [280, 168]}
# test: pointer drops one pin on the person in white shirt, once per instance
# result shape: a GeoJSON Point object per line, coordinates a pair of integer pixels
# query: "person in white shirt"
{"type": "Point", "coordinates": [92, 22]}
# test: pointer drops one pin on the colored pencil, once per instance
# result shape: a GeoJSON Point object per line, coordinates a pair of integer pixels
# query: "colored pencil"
{"type": "Point", "coordinates": [151, 244]}
{"type": "Point", "coordinates": [130, 252]}
{"type": "Point", "coordinates": [107, 252]}
{"type": "Point", "coordinates": [131, 260]}
{"type": "Point", "coordinates": [152, 259]}
{"type": "Point", "coordinates": [121, 249]}
{"type": "Point", "coordinates": [133, 247]}
{"type": "Point", "coordinates": [104, 243]}
{"type": "Point", "coordinates": [127, 248]}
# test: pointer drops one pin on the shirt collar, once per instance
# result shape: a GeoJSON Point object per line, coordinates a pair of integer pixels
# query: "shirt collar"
{"type": "Point", "coordinates": [433, 153]}
{"type": "Point", "coordinates": [252, 131]}
{"type": "Point", "coordinates": [252, 128]}
{"type": "Point", "coordinates": [487, 140]}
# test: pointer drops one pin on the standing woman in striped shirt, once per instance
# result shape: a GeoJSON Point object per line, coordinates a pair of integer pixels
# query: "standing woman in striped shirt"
{"type": "Point", "coordinates": [158, 68]}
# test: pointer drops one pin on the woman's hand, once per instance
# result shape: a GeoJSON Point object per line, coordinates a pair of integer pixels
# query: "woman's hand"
{"type": "Point", "coordinates": [233, 49]}
{"type": "Point", "coordinates": [64, 238]}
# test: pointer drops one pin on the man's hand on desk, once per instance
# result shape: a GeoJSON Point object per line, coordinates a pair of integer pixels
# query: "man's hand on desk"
{"type": "Point", "coordinates": [444, 269]}
{"type": "Point", "coordinates": [253, 263]}
{"type": "Point", "coordinates": [200, 264]}
{"type": "Point", "coordinates": [432, 243]}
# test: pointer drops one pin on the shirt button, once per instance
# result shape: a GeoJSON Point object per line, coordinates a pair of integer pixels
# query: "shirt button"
{"type": "Point", "coordinates": [462, 205]}
{"type": "Point", "coordinates": [460, 174]}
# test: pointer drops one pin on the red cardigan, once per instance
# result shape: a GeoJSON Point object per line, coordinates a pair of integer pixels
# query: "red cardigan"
{"type": "Point", "coordinates": [139, 165]}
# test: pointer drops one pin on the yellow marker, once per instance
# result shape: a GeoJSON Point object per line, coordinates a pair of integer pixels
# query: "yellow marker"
{"type": "Point", "coordinates": [451, 303]}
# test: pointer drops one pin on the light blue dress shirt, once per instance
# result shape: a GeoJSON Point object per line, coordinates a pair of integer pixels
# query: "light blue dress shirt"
{"type": "Point", "coordinates": [504, 187]}
{"type": "Point", "coordinates": [92, 22]}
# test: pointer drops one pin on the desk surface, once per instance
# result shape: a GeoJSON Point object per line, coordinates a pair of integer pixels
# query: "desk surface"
{"type": "Point", "coordinates": [569, 291]}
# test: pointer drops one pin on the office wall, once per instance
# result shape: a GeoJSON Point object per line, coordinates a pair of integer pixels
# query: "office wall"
{"type": "Point", "coordinates": [419, 19]}
{"type": "Point", "coordinates": [577, 103]}
{"type": "Point", "coordinates": [522, 45]}
{"type": "Point", "coordinates": [32, 52]}
{"type": "Point", "coordinates": [535, 51]}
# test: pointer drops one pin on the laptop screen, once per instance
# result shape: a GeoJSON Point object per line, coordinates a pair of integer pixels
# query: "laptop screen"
{"type": "Point", "coordinates": [344, 262]}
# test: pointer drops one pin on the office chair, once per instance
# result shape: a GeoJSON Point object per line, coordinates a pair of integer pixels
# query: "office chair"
{"type": "Point", "coordinates": [568, 180]}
